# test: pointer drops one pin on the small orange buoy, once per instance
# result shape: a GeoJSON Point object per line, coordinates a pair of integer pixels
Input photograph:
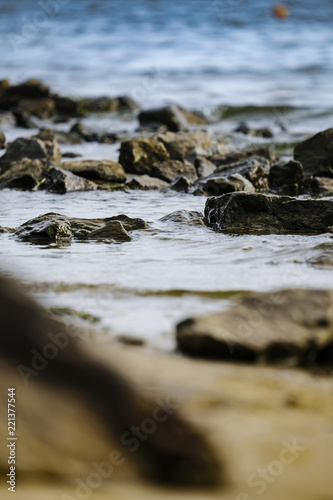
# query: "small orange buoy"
{"type": "Point", "coordinates": [280, 11]}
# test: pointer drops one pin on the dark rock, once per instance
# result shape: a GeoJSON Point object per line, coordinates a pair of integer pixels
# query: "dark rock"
{"type": "Point", "coordinates": [176, 119]}
{"type": "Point", "coordinates": [272, 327]}
{"type": "Point", "coordinates": [192, 218]}
{"type": "Point", "coordinates": [323, 255]}
{"type": "Point", "coordinates": [322, 186]}
{"type": "Point", "coordinates": [287, 178]}
{"type": "Point", "coordinates": [131, 340]}
{"type": "Point", "coordinates": [316, 154]}
{"type": "Point", "coordinates": [42, 108]}
{"type": "Point", "coordinates": [67, 137]}
{"type": "Point", "coordinates": [105, 170]}
{"type": "Point", "coordinates": [33, 149]}
{"type": "Point", "coordinates": [109, 104]}
{"type": "Point", "coordinates": [2, 140]}
{"type": "Point", "coordinates": [23, 119]}
{"type": "Point", "coordinates": [68, 107]}
{"type": "Point", "coordinates": [52, 228]}
{"type": "Point", "coordinates": [138, 155]}
{"type": "Point", "coordinates": [180, 146]}
{"type": "Point", "coordinates": [218, 184]}
{"type": "Point", "coordinates": [264, 132]}
{"type": "Point", "coordinates": [145, 182]}
{"type": "Point", "coordinates": [7, 118]}
{"type": "Point", "coordinates": [180, 184]}
{"type": "Point", "coordinates": [69, 154]}
{"type": "Point", "coordinates": [84, 133]}
{"type": "Point", "coordinates": [31, 89]}
{"type": "Point", "coordinates": [25, 175]}
{"type": "Point", "coordinates": [249, 213]}
{"type": "Point", "coordinates": [169, 170]}
{"type": "Point", "coordinates": [61, 181]}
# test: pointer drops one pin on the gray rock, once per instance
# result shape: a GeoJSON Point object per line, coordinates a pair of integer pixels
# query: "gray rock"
{"type": "Point", "coordinates": [176, 119]}
{"type": "Point", "coordinates": [169, 170]}
{"type": "Point", "coordinates": [249, 213]}
{"type": "Point", "coordinates": [322, 186]}
{"type": "Point", "coordinates": [180, 146]}
{"type": "Point", "coordinates": [61, 181]}
{"type": "Point", "coordinates": [192, 218]}
{"type": "Point", "coordinates": [316, 154]}
{"type": "Point", "coordinates": [289, 325]}
{"type": "Point", "coordinates": [138, 155]}
{"type": "Point", "coordinates": [204, 167]}
{"type": "Point", "coordinates": [25, 175]}
{"type": "Point", "coordinates": [105, 170]}
{"type": "Point", "coordinates": [287, 178]}
{"type": "Point", "coordinates": [145, 182]}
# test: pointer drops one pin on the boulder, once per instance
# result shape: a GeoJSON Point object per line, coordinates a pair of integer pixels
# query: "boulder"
{"type": "Point", "coordinates": [180, 146]}
{"type": "Point", "coordinates": [109, 104]}
{"type": "Point", "coordinates": [253, 213]}
{"type": "Point", "coordinates": [316, 154]}
{"type": "Point", "coordinates": [289, 325]}
{"type": "Point", "coordinates": [287, 178]}
{"type": "Point", "coordinates": [105, 170]}
{"type": "Point", "coordinates": [192, 217]}
{"type": "Point", "coordinates": [55, 228]}
{"type": "Point", "coordinates": [176, 119]}
{"type": "Point", "coordinates": [322, 186]}
{"type": "Point", "coordinates": [33, 149]}
{"type": "Point", "coordinates": [25, 175]}
{"type": "Point", "coordinates": [145, 182]}
{"type": "Point", "coordinates": [61, 181]}
{"type": "Point", "coordinates": [2, 140]}
{"type": "Point", "coordinates": [169, 170]}
{"type": "Point", "coordinates": [138, 155]}
{"type": "Point", "coordinates": [42, 108]}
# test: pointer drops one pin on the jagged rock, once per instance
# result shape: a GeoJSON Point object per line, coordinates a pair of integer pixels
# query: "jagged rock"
{"type": "Point", "coordinates": [25, 175]}
{"type": "Point", "coordinates": [316, 154]}
{"type": "Point", "coordinates": [185, 216]}
{"type": "Point", "coordinates": [287, 178]}
{"type": "Point", "coordinates": [2, 140]}
{"type": "Point", "coordinates": [263, 132]}
{"type": "Point", "coordinates": [181, 184]}
{"type": "Point", "coordinates": [292, 325]}
{"type": "Point", "coordinates": [145, 182]}
{"type": "Point", "coordinates": [322, 186]}
{"type": "Point", "coordinates": [180, 146]}
{"type": "Point", "coordinates": [250, 213]}
{"type": "Point", "coordinates": [33, 149]}
{"type": "Point", "coordinates": [138, 155]}
{"type": "Point", "coordinates": [169, 170]}
{"type": "Point", "coordinates": [175, 118]}
{"type": "Point", "coordinates": [105, 170]}
{"type": "Point", "coordinates": [55, 228]}
{"type": "Point", "coordinates": [61, 181]}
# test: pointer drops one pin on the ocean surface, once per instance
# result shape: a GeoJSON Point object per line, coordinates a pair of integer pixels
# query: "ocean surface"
{"type": "Point", "coordinates": [230, 59]}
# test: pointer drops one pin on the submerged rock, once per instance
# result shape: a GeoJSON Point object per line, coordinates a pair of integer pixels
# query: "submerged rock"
{"type": "Point", "coordinates": [61, 181]}
{"type": "Point", "coordinates": [105, 170]}
{"type": "Point", "coordinates": [175, 118]}
{"type": "Point", "coordinates": [287, 178]}
{"type": "Point", "coordinates": [270, 327]}
{"type": "Point", "coordinates": [138, 155]}
{"type": "Point", "coordinates": [57, 228]}
{"type": "Point", "coordinates": [316, 154]}
{"type": "Point", "coordinates": [262, 214]}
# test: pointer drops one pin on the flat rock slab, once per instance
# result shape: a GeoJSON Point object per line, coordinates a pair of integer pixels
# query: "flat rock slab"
{"type": "Point", "coordinates": [272, 327]}
{"type": "Point", "coordinates": [57, 228]}
{"type": "Point", "coordinates": [254, 213]}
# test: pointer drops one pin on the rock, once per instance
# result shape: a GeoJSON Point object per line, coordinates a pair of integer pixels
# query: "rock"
{"type": "Point", "coordinates": [180, 184]}
{"type": "Point", "coordinates": [68, 107]}
{"type": "Point", "coordinates": [204, 167]}
{"type": "Point", "coordinates": [109, 104]}
{"type": "Point", "coordinates": [2, 140]}
{"type": "Point", "coordinates": [316, 154]}
{"type": "Point", "coordinates": [176, 119]}
{"type": "Point", "coordinates": [61, 181]}
{"type": "Point", "coordinates": [169, 170]}
{"type": "Point", "coordinates": [131, 340]}
{"type": "Point", "coordinates": [53, 228]}
{"type": "Point", "coordinates": [138, 155]}
{"type": "Point", "coordinates": [180, 146]}
{"type": "Point", "coordinates": [23, 119]}
{"type": "Point", "coordinates": [33, 149]}
{"type": "Point", "coordinates": [192, 218]}
{"type": "Point", "coordinates": [287, 178]}
{"type": "Point", "coordinates": [7, 118]}
{"type": "Point", "coordinates": [42, 108]}
{"type": "Point", "coordinates": [322, 186]}
{"type": "Point", "coordinates": [31, 89]}
{"type": "Point", "coordinates": [25, 175]}
{"type": "Point", "coordinates": [272, 327]}
{"type": "Point", "coordinates": [219, 184]}
{"type": "Point", "coordinates": [323, 256]}
{"type": "Point", "coordinates": [264, 132]}
{"type": "Point", "coordinates": [105, 170]}
{"type": "Point", "coordinates": [86, 134]}
{"type": "Point", "coordinates": [249, 213]}
{"type": "Point", "coordinates": [145, 182]}
{"type": "Point", "coordinates": [67, 137]}
{"type": "Point", "coordinates": [242, 155]}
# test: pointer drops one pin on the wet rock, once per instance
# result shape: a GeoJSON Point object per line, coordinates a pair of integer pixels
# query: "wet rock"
{"type": "Point", "coordinates": [31, 89]}
{"type": "Point", "coordinates": [54, 228]}
{"type": "Point", "coordinates": [23, 119]}
{"type": "Point", "coordinates": [2, 140]}
{"type": "Point", "coordinates": [181, 184]}
{"type": "Point", "coordinates": [185, 217]}
{"type": "Point", "coordinates": [218, 184]}
{"type": "Point", "coordinates": [272, 327]}
{"type": "Point", "coordinates": [84, 133]}
{"type": "Point", "coordinates": [180, 146]}
{"type": "Point", "coordinates": [263, 132]}
{"type": "Point", "coordinates": [68, 107]}
{"type": "Point", "coordinates": [33, 149]}
{"type": "Point", "coordinates": [24, 175]}
{"type": "Point", "coordinates": [323, 255]}
{"type": "Point", "coordinates": [242, 155]}
{"type": "Point", "coordinates": [249, 213]}
{"type": "Point", "coordinates": [138, 155]}
{"type": "Point", "coordinates": [61, 181]}
{"type": "Point", "coordinates": [105, 170]}
{"type": "Point", "coordinates": [204, 167]}
{"type": "Point", "coordinates": [145, 182]}
{"type": "Point", "coordinates": [322, 186]}
{"type": "Point", "coordinates": [7, 118]}
{"type": "Point", "coordinates": [287, 178]}
{"type": "Point", "coordinates": [67, 137]}
{"type": "Point", "coordinates": [131, 340]}
{"type": "Point", "coordinates": [109, 104]}
{"type": "Point", "coordinates": [42, 108]}
{"type": "Point", "coordinates": [169, 170]}
{"type": "Point", "coordinates": [316, 154]}
{"type": "Point", "coordinates": [176, 119]}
